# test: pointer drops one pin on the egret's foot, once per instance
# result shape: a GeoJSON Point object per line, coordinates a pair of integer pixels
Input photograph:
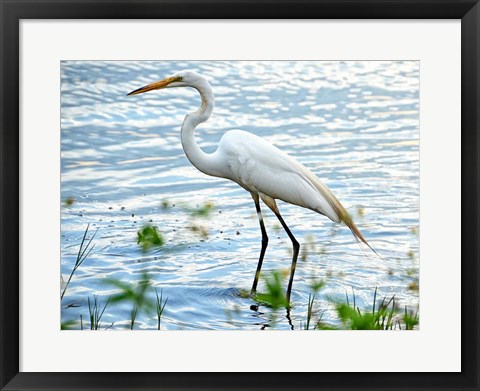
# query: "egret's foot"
{"type": "Point", "coordinates": [244, 294]}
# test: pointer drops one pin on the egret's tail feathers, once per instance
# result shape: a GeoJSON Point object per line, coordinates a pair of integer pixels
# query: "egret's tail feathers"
{"type": "Point", "coordinates": [355, 231]}
{"type": "Point", "coordinates": [339, 213]}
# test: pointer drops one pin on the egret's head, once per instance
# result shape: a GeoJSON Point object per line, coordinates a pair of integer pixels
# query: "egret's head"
{"type": "Point", "coordinates": [179, 79]}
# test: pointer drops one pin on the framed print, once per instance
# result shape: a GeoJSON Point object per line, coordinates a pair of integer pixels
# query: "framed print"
{"type": "Point", "coordinates": [237, 196]}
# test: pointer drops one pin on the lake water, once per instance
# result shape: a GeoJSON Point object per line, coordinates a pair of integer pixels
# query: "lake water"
{"type": "Point", "coordinates": [354, 124]}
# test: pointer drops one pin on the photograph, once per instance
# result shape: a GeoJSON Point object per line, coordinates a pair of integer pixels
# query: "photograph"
{"type": "Point", "coordinates": [240, 195]}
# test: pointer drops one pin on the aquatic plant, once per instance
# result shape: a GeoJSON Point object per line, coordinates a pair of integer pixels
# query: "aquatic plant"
{"type": "Point", "coordinates": [133, 316]}
{"type": "Point", "coordinates": [95, 312]}
{"type": "Point", "coordinates": [311, 300]}
{"type": "Point", "coordinates": [203, 211]}
{"type": "Point", "coordinates": [148, 237]}
{"type": "Point", "coordinates": [137, 294]}
{"type": "Point", "coordinates": [83, 252]}
{"type": "Point", "coordinates": [274, 296]}
{"type": "Point", "coordinates": [160, 307]}
{"type": "Point", "coordinates": [384, 316]}
{"type": "Point", "coordinates": [410, 319]}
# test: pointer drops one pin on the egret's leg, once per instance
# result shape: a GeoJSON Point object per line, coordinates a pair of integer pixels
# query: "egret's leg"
{"type": "Point", "coordinates": [296, 249]}
{"type": "Point", "coordinates": [264, 241]}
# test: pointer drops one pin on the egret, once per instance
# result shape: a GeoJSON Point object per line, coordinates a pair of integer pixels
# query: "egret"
{"type": "Point", "coordinates": [256, 165]}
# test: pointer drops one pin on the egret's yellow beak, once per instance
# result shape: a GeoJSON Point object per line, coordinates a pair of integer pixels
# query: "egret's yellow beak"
{"type": "Point", "coordinates": [158, 85]}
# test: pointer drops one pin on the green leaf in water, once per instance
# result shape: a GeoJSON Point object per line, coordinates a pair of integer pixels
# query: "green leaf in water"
{"type": "Point", "coordinates": [203, 211]}
{"type": "Point", "coordinates": [275, 296]}
{"type": "Point", "coordinates": [148, 237]}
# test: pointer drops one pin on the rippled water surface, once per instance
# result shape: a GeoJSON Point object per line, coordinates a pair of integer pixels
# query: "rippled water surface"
{"type": "Point", "coordinates": [354, 124]}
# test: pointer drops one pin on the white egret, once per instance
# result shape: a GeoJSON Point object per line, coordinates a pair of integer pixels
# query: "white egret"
{"type": "Point", "coordinates": [256, 165]}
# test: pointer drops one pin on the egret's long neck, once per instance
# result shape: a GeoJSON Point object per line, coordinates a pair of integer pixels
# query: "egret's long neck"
{"type": "Point", "coordinates": [203, 161]}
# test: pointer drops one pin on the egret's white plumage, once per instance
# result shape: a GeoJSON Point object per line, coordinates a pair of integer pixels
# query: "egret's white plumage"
{"type": "Point", "coordinates": [260, 167]}
{"type": "Point", "coordinates": [256, 165]}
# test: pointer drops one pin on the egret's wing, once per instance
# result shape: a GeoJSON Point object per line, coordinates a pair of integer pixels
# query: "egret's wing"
{"type": "Point", "coordinates": [259, 166]}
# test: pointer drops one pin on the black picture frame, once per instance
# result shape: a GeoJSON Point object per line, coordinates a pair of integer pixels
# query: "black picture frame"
{"type": "Point", "coordinates": [12, 11]}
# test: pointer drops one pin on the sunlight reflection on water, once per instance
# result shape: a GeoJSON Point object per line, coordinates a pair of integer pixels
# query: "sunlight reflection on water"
{"type": "Point", "coordinates": [355, 124]}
